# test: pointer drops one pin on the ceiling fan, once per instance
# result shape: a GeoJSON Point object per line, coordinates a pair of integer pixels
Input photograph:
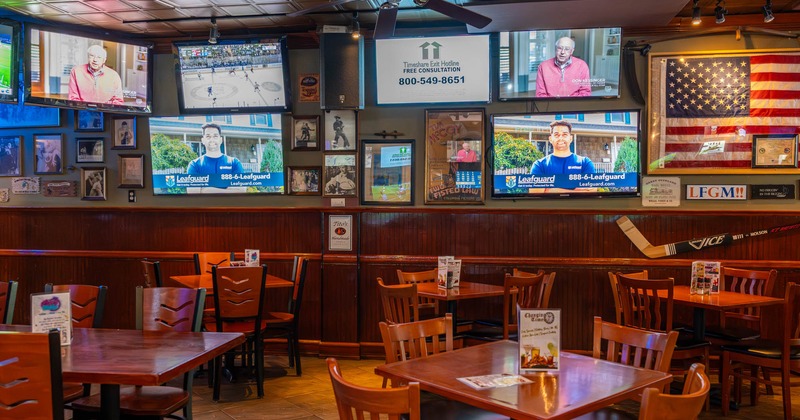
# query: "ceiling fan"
{"type": "Point", "coordinates": [387, 14]}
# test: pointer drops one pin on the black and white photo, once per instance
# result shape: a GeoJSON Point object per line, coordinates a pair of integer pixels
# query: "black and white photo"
{"type": "Point", "coordinates": [305, 132]}
{"type": "Point", "coordinates": [90, 150]}
{"type": "Point", "coordinates": [48, 154]}
{"type": "Point", "coordinates": [304, 180]}
{"type": "Point", "coordinates": [93, 183]}
{"type": "Point", "coordinates": [339, 174]}
{"type": "Point", "coordinates": [11, 156]}
{"type": "Point", "coordinates": [341, 130]}
{"type": "Point", "coordinates": [124, 133]}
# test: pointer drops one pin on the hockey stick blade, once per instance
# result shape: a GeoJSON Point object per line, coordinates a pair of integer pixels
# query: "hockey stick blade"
{"type": "Point", "coordinates": [639, 240]}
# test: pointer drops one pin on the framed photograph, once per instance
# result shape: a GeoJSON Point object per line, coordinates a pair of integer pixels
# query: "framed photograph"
{"type": "Point", "coordinates": [93, 183]}
{"type": "Point", "coordinates": [305, 132]}
{"type": "Point", "coordinates": [20, 116]}
{"type": "Point", "coordinates": [454, 156]}
{"type": "Point", "coordinates": [10, 155]}
{"type": "Point", "coordinates": [339, 175]}
{"type": "Point", "coordinates": [303, 180]}
{"type": "Point", "coordinates": [131, 171]}
{"type": "Point", "coordinates": [48, 154]}
{"type": "Point", "coordinates": [774, 151]}
{"type": "Point", "coordinates": [89, 121]}
{"type": "Point", "coordinates": [90, 150]}
{"type": "Point", "coordinates": [341, 130]}
{"type": "Point", "coordinates": [689, 133]}
{"type": "Point", "coordinates": [124, 133]}
{"type": "Point", "coordinates": [387, 172]}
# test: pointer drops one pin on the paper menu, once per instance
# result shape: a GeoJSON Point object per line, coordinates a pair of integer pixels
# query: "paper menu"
{"type": "Point", "coordinates": [705, 277]}
{"type": "Point", "coordinates": [52, 310]}
{"type": "Point", "coordinates": [454, 267]}
{"type": "Point", "coordinates": [252, 257]}
{"type": "Point", "coordinates": [497, 380]}
{"type": "Point", "coordinates": [442, 275]}
{"type": "Point", "coordinates": [539, 333]}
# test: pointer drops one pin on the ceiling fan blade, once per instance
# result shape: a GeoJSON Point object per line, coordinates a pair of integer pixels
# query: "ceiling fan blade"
{"type": "Point", "coordinates": [312, 9]}
{"type": "Point", "coordinates": [384, 25]}
{"type": "Point", "coordinates": [457, 12]}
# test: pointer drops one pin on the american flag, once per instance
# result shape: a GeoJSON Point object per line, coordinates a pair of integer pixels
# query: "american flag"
{"type": "Point", "coordinates": [711, 107]}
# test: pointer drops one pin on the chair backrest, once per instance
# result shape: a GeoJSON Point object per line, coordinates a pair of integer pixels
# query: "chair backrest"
{"type": "Point", "coordinates": [642, 306]}
{"type": "Point", "coordinates": [399, 302]}
{"type": "Point", "coordinates": [204, 260]}
{"type": "Point", "coordinates": [169, 309]}
{"type": "Point", "coordinates": [8, 299]}
{"type": "Point", "coordinates": [417, 339]}
{"type": "Point", "coordinates": [357, 402]}
{"type": "Point", "coordinates": [791, 321]}
{"type": "Point", "coordinates": [30, 367]}
{"type": "Point", "coordinates": [238, 293]}
{"type": "Point", "coordinates": [428, 276]}
{"type": "Point", "coordinates": [633, 346]}
{"type": "Point", "coordinates": [547, 285]}
{"type": "Point", "coordinates": [612, 278]}
{"type": "Point", "coordinates": [299, 278]}
{"type": "Point", "coordinates": [152, 273]}
{"type": "Point", "coordinates": [656, 405]}
{"type": "Point", "coordinates": [523, 292]}
{"type": "Point", "coordinates": [751, 282]}
{"type": "Point", "coordinates": [88, 303]}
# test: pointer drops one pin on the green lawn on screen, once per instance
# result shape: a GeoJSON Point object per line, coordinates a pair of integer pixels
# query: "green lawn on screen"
{"type": "Point", "coordinates": [5, 66]}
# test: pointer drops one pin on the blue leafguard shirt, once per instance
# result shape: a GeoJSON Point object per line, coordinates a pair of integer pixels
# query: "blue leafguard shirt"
{"type": "Point", "coordinates": [553, 165]}
{"type": "Point", "coordinates": [224, 164]}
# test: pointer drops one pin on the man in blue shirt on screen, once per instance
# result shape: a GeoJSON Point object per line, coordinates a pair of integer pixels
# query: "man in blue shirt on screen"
{"type": "Point", "coordinates": [562, 160]}
{"type": "Point", "coordinates": [214, 161]}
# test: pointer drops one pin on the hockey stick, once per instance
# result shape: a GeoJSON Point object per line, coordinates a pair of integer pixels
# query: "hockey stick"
{"type": "Point", "coordinates": [658, 251]}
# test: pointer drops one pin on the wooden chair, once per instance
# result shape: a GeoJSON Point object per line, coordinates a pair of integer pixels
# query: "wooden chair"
{"type": "Point", "coordinates": [546, 288]}
{"type": "Point", "coordinates": [417, 339]}
{"type": "Point", "coordinates": [399, 302]}
{"type": "Point", "coordinates": [633, 346]}
{"type": "Point", "coordinates": [239, 301]}
{"type": "Point", "coordinates": [8, 299]}
{"type": "Point", "coordinates": [525, 292]}
{"type": "Point", "coordinates": [30, 368]}
{"type": "Point", "coordinates": [612, 279]}
{"type": "Point", "coordinates": [747, 320]}
{"type": "Point", "coordinates": [152, 273]}
{"type": "Point", "coordinates": [656, 405]}
{"type": "Point", "coordinates": [783, 357]}
{"type": "Point", "coordinates": [88, 303]}
{"type": "Point", "coordinates": [287, 324]}
{"type": "Point", "coordinates": [203, 261]}
{"type": "Point", "coordinates": [426, 305]}
{"type": "Point", "coordinates": [158, 309]}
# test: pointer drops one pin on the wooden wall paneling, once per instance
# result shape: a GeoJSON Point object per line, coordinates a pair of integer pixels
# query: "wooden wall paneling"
{"type": "Point", "coordinates": [340, 307]}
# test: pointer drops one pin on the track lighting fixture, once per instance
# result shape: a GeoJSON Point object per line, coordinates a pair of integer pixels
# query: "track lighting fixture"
{"type": "Point", "coordinates": [767, 10]}
{"type": "Point", "coordinates": [696, 19]}
{"type": "Point", "coordinates": [213, 34]}
{"type": "Point", "coordinates": [720, 11]}
{"type": "Point", "coordinates": [356, 27]}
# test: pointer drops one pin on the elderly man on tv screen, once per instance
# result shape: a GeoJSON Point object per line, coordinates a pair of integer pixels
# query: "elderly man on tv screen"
{"type": "Point", "coordinates": [563, 75]}
{"type": "Point", "coordinates": [94, 81]}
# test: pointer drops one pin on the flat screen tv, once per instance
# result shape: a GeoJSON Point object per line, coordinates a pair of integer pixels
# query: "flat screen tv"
{"type": "Point", "coordinates": [217, 154]}
{"type": "Point", "coordinates": [558, 154]}
{"type": "Point", "coordinates": [233, 76]}
{"type": "Point", "coordinates": [87, 71]}
{"type": "Point", "coordinates": [9, 60]}
{"type": "Point", "coordinates": [559, 63]}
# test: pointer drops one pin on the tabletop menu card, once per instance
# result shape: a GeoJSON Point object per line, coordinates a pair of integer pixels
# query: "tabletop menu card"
{"type": "Point", "coordinates": [252, 257]}
{"type": "Point", "coordinates": [52, 310]}
{"type": "Point", "coordinates": [448, 272]}
{"type": "Point", "coordinates": [705, 278]}
{"type": "Point", "coordinates": [497, 380]}
{"type": "Point", "coordinates": [539, 339]}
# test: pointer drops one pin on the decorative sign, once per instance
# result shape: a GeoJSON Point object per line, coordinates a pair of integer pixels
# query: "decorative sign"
{"type": "Point", "coordinates": [443, 69]}
{"type": "Point", "coordinates": [25, 185]}
{"type": "Point", "coordinates": [309, 87]}
{"type": "Point", "coordinates": [3, 195]}
{"type": "Point", "coordinates": [448, 273]}
{"type": "Point", "coordinates": [705, 278]}
{"type": "Point", "coordinates": [661, 191]}
{"type": "Point", "coordinates": [52, 310]}
{"type": "Point", "coordinates": [60, 188]}
{"type": "Point", "coordinates": [539, 339]}
{"type": "Point", "coordinates": [340, 233]}
{"type": "Point", "coordinates": [252, 257]}
{"type": "Point", "coordinates": [716, 192]}
{"type": "Point", "coordinates": [772, 191]}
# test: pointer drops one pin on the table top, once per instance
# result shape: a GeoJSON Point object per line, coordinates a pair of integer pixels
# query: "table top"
{"type": "Point", "coordinates": [196, 281]}
{"type": "Point", "coordinates": [581, 386]}
{"type": "Point", "coordinates": [465, 290]}
{"type": "Point", "coordinates": [134, 357]}
{"type": "Point", "coordinates": [725, 300]}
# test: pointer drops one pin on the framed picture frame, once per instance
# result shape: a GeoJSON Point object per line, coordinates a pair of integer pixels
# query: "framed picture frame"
{"type": "Point", "coordinates": [21, 116]}
{"type": "Point", "coordinates": [303, 180]}
{"type": "Point", "coordinates": [341, 130]}
{"type": "Point", "coordinates": [93, 183]}
{"type": "Point", "coordinates": [48, 157]}
{"type": "Point", "coordinates": [11, 155]}
{"type": "Point", "coordinates": [131, 171]}
{"type": "Point", "coordinates": [86, 120]}
{"type": "Point", "coordinates": [339, 175]}
{"type": "Point", "coordinates": [454, 156]}
{"type": "Point", "coordinates": [305, 132]}
{"type": "Point", "coordinates": [90, 150]}
{"type": "Point", "coordinates": [387, 172]}
{"type": "Point", "coordinates": [124, 133]}
{"type": "Point", "coordinates": [692, 135]}
{"type": "Point", "coordinates": [775, 151]}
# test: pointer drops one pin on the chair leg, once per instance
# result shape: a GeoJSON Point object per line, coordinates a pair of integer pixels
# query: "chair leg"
{"type": "Point", "coordinates": [259, 355]}
{"type": "Point", "coordinates": [725, 378]}
{"type": "Point", "coordinates": [290, 349]}
{"type": "Point", "coordinates": [765, 372]}
{"type": "Point", "coordinates": [754, 385]}
{"type": "Point", "coordinates": [787, 393]}
{"type": "Point", "coordinates": [296, 355]}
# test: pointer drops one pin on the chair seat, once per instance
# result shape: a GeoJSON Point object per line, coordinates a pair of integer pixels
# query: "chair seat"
{"type": "Point", "coordinates": [766, 351]}
{"type": "Point", "coordinates": [278, 317]}
{"type": "Point", "coordinates": [732, 334]}
{"type": "Point", "coordinates": [244, 327]}
{"type": "Point", "coordinates": [607, 413]}
{"type": "Point", "coordinates": [454, 410]}
{"type": "Point", "coordinates": [72, 391]}
{"type": "Point", "coordinates": [690, 343]}
{"type": "Point", "coordinates": [141, 401]}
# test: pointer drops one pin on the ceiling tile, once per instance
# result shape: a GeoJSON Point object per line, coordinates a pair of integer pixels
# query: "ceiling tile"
{"type": "Point", "coordinates": [202, 11]}
{"type": "Point", "coordinates": [276, 8]}
{"type": "Point", "coordinates": [190, 3]}
{"type": "Point", "coordinates": [123, 16]}
{"type": "Point", "coordinates": [146, 4]}
{"type": "Point", "coordinates": [110, 5]}
{"type": "Point", "coordinates": [167, 13]}
{"type": "Point", "coordinates": [98, 18]}
{"type": "Point", "coordinates": [231, 2]}
{"type": "Point", "coordinates": [241, 10]}
{"type": "Point", "coordinates": [74, 7]}
{"type": "Point", "coordinates": [36, 9]}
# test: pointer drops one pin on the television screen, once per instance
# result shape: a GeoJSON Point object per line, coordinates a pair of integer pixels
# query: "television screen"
{"type": "Point", "coordinates": [444, 69]}
{"type": "Point", "coordinates": [9, 59]}
{"type": "Point", "coordinates": [566, 154]}
{"type": "Point", "coordinates": [235, 76]}
{"type": "Point", "coordinates": [560, 63]}
{"type": "Point", "coordinates": [76, 71]}
{"type": "Point", "coordinates": [217, 154]}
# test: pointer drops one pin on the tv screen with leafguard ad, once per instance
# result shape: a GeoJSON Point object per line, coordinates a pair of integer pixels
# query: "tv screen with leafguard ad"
{"type": "Point", "coordinates": [592, 153]}
{"type": "Point", "coordinates": [217, 154]}
{"type": "Point", "coordinates": [559, 64]}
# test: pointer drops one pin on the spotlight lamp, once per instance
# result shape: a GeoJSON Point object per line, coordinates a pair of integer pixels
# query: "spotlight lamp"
{"type": "Point", "coordinates": [213, 34]}
{"type": "Point", "coordinates": [720, 11]}
{"type": "Point", "coordinates": [356, 27]}
{"type": "Point", "coordinates": [767, 10]}
{"type": "Point", "coordinates": [696, 18]}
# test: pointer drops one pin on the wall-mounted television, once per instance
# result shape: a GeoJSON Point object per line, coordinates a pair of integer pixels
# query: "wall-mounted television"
{"type": "Point", "coordinates": [217, 154]}
{"type": "Point", "coordinates": [558, 154]}
{"type": "Point", "coordinates": [233, 76]}
{"type": "Point", "coordinates": [442, 69]}
{"type": "Point", "coordinates": [87, 72]}
{"type": "Point", "coordinates": [9, 60]}
{"type": "Point", "coordinates": [559, 63]}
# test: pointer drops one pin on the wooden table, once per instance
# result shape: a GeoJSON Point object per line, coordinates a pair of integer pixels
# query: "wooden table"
{"type": "Point", "coordinates": [724, 301]}
{"type": "Point", "coordinates": [196, 281]}
{"type": "Point", "coordinates": [465, 290]}
{"type": "Point", "coordinates": [131, 357]}
{"type": "Point", "coordinates": [581, 386]}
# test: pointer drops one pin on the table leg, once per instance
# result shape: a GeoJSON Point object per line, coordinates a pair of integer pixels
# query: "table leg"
{"type": "Point", "coordinates": [452, 308]}
{"type": "Point", "coordinates": [109, 401]}
{"type": "Point", "coordinates": [699, 323]}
